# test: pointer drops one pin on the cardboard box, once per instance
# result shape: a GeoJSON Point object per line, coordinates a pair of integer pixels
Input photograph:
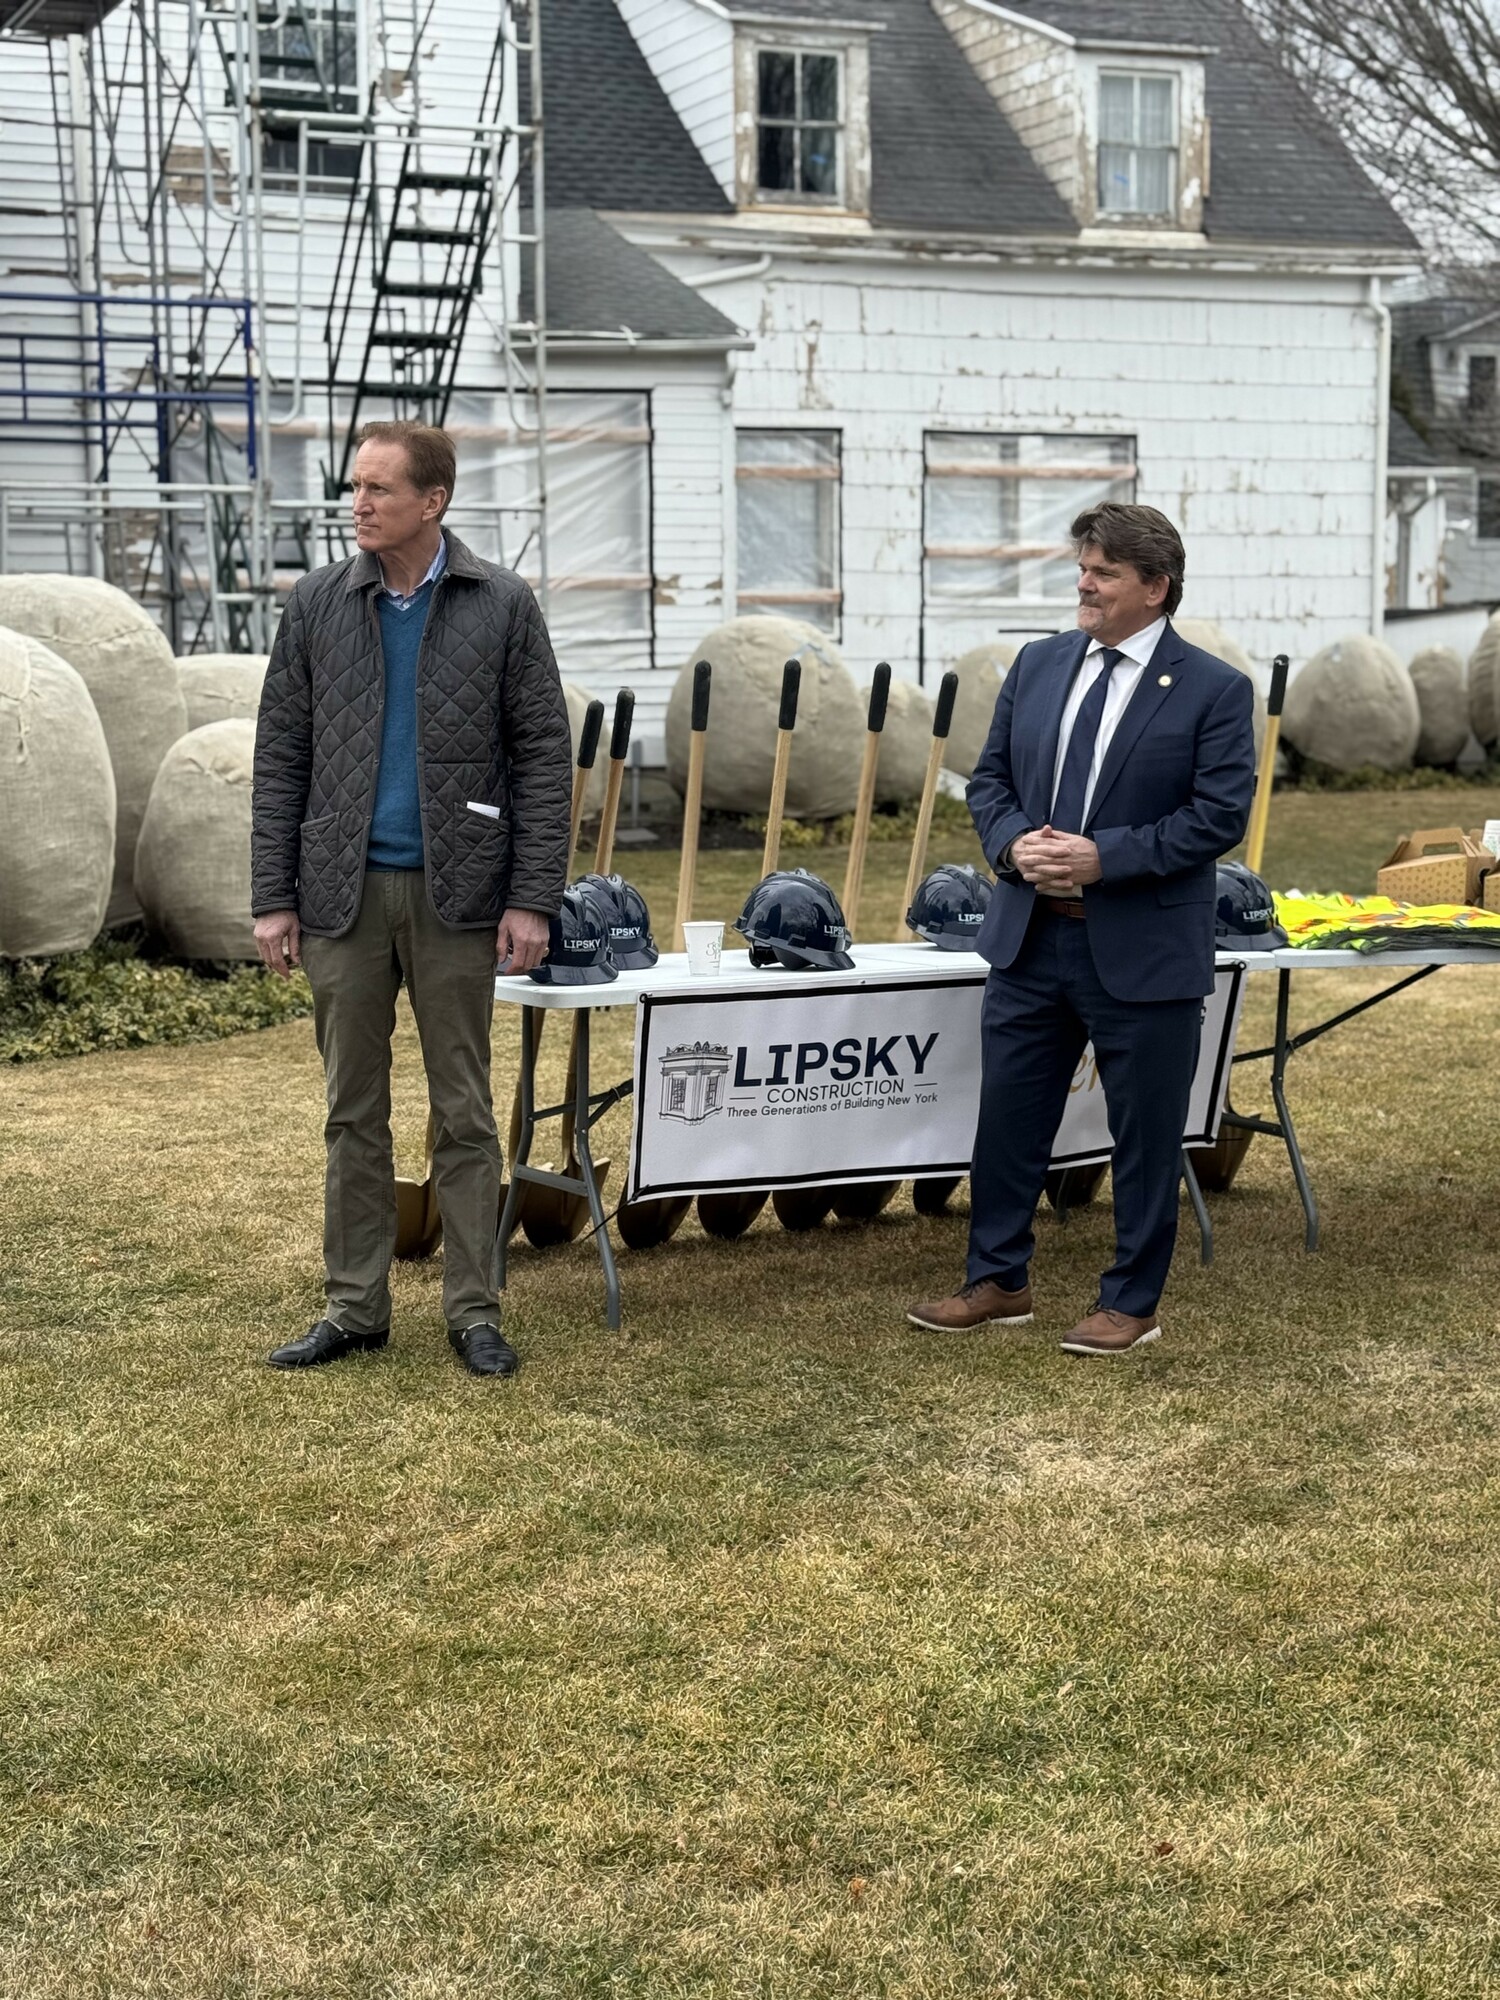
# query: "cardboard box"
{"type": "Point", "coordinates": [1436, 864]}
{"type": "Point", "coordinates": [1488, 897]}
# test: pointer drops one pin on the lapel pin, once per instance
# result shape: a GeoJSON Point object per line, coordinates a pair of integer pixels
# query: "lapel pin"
{"type": "Point", "coordinates": [1165, 681]}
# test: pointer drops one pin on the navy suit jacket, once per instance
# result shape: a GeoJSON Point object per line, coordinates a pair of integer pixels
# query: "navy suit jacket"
{"type": "Point", "coordinates": [1173, 795]}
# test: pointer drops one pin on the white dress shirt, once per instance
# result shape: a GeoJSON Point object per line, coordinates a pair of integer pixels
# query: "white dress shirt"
{"type": "Point", "coordinates": [1123, 683]}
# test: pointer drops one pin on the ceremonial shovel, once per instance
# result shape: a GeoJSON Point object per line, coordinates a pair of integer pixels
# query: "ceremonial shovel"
{"type": "Point", "coordinates": [805, 1207]}
{"type": "Point", "coordinates": [419, 1227]}
{"type": "Point", "coordinates": [588, 750]}
{"type": "Point", "coordinates": [730, 1215]}
{"type": "Point", "coordinates": [551, 1216]}
{"type": "Point", "coordinates": [930, 1196]}
{"type": "Point", "coordinates": [643, 1224]}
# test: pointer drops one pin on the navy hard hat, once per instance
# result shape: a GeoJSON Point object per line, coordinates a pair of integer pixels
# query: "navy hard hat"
{"type": "Point", "coordinates": [949, 906]}
{"type": "Point", "coordinates": [793, 919]}
{"type": "Point", "coordinates": [577, 946]}
{"type": "Point", "coordinates": [627, 920]}
{"type": "Point", "coordinates": [1245, 915]}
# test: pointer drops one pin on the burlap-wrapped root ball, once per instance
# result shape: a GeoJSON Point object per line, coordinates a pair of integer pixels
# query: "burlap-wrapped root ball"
{"type": "Point", "coordinates": [1437, 674]}
{"type": "Point", "coordinates": [131, 676]}
{"type": "Point", "coordinates": [57, 805]}
{"type": "Point", "coordinates": [1212, 638]}
{"type": "Point", "coordinates": [192, 863]}
{"type": "Point", "coordinates": [904, 744]}
{"type": "Point", "coordinates": [578, 708]}
{"type": "Point", "coordinates": [980, 672]}
{"type": "Point", "coordinates": [221, 687]}
{"type": "Point", "coordinates": [747, 656]}
{"type": "Point", "coordinates": [1484, 685]}
{"type": "Point", "coordinates": [1353, 705]}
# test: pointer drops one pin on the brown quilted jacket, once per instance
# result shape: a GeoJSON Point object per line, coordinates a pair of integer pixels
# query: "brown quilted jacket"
{"type": "Point", "coordinates": [492, 727]}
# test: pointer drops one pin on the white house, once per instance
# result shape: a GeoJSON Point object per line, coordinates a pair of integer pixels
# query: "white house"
{"type": "Point", "coordinates": [851, 305]}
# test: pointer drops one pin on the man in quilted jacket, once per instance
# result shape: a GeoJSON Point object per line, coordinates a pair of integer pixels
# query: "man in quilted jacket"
{"type": "Point", "coordinates": [412, 779]}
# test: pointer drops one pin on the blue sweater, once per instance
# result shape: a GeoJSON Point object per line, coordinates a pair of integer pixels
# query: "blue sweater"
{"type": "Point", "coordinates": [396, 824]}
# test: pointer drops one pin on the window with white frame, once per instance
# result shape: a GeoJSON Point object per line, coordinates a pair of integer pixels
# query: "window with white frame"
{"type": "Point", "coordinates": [787, 509]}
{"type": "Point", "coordinates": [999, 510]}
{"type": "Point", "coordinates": [1138, 144]}
{"type": "Point", "coordinates": [799, 124]}
{"type": "Point", "coordinates": [1487, 510]}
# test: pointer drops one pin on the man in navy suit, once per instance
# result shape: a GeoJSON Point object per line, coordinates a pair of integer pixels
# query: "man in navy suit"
{"type": "Point", "coordinates": [1120, 766]}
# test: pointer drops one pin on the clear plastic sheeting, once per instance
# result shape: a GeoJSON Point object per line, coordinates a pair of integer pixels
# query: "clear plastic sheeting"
{"type": "Point", "coordinates": [1000, 510]}
{"type": "Point", "coordinates": [599, 572]}
{"type": "Point", "coordinates": [599, 560]}
{"type": "Point", "coordinates": [787, 504]}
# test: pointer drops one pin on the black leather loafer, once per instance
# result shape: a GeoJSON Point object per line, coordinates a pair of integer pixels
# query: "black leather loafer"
{"type": "Point", "coordinates": [484, 1350]}
{"type": "Point", "coordinates": [325, 1342]}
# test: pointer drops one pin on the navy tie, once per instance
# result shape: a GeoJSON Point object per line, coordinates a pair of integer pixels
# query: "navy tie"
{"type": "Point", "coordinates": [1073, 785]}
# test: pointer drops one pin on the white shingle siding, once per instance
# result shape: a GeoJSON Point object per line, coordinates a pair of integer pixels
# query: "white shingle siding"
{"type": "Point", "coordinates": [1251, 399]}
{"type": "Point", "coordinates": [690, 47]}
{"type": "Point", "coordinates": [1032, 78]}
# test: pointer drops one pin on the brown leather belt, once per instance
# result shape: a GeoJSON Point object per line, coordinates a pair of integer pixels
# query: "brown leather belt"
{"type": "Point", "coordinates": [1060, 906]}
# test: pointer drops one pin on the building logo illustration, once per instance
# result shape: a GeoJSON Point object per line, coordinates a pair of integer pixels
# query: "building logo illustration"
{"type": "Point", "coordinates": [693, 1078]}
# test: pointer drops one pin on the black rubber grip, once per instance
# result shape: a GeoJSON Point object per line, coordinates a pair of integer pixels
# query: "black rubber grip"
{"type": "Point", "coordinates": [1280, 668]}
{"type": "Point", "coordinates": [703, 675]}
{"type": "Point", "coordinates": [619, 742]}
{"type": "Point", "coordinates": [880, 691]}
{"type": "Point", "coordinates": [942, 721]}
{"type": "Point", "coordinates": [588, 741]}
{"type": "Point", "coordinates": [791, 682]}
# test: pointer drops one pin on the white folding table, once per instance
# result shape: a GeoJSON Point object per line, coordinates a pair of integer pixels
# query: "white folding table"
{"type": "Point", "coordinates": [882, 963]}
{"type": "Point", "coordinates": [1417, 965]}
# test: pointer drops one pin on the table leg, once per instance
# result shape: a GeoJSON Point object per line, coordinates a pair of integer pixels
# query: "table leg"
{"type": "Point", "coordinates": [1283, 1109]}
{"type": "Point", "coordinates": [1200, 1209]}
{"type": "Point", "coordinates": [526, 1084]}
{"type": "Point", "coordinates": [590, 1181]}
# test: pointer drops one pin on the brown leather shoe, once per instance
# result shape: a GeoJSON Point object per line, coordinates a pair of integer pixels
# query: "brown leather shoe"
{"type": "Point", "coordinates": [1107, 1332]}
{"type": "Point", "coordinates": [980, 1303]}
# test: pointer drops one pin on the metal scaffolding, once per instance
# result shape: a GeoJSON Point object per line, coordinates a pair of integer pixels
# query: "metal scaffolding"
{"type": "Point", "coordinates": [154, 386]}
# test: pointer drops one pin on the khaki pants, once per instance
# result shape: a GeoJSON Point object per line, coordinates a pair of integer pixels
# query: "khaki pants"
{"type": "Point", "coordinates": [450, 976]}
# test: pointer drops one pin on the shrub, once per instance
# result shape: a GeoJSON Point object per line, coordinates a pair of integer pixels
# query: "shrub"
{"type": "Point", "coordinates": [113, 996]}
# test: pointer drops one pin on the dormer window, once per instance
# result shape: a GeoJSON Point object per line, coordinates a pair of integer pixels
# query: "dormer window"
{"type": "Point", "coordinates": [1480, 401]}
{"type": "Point", "coordinates": [799, 130]}
{"type": "Point", "coordinates": [1138, 144]}
{"type": "Point", "coordinates": [802, 117]}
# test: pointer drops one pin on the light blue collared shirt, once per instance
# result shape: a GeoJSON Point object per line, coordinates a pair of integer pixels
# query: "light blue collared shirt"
{"type": "Point", "coordinates": [404, 600]}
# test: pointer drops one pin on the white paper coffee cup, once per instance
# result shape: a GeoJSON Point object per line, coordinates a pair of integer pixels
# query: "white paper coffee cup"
{"type": "Point", "coordinates": [705, 947]}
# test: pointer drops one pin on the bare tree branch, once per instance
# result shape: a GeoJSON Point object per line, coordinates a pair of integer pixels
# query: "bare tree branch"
{"type": "Point", "coordinates": [1414, 87]}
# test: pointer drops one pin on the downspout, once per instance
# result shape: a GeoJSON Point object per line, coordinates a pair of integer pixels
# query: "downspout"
{"type": "Point", "coordinates": [1380, 313]}
{"type": "Point", "coordinates": [730, 271]}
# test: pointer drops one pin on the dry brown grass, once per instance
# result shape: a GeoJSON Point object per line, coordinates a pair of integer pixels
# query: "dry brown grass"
{"type": "Point", "coordinates": [769, 1650]}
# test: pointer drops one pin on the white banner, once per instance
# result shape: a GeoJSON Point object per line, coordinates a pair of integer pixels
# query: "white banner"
{"type": "Point", "coordinates": [836, 1083]}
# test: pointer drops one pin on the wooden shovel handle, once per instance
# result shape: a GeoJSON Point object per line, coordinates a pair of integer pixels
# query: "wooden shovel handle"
{"type": "Point", "coordinates": [786, 722]}
{"type": "Point", "coordinates": [692, 805]}
{"type": "Point", "coordinates": [588, 750]}
{"type": "Point", "coordinates": [1265, 778]}
{"type": "Point", "coordinates": [942, 722]}
{"type": "Point", "coordinates": [619, 749]}
{"type": "Point", "coordinates": [864, 805]}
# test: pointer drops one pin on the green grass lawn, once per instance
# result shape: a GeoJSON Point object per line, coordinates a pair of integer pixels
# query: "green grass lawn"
{"type": "Point", "coordinates": [769, 1649]}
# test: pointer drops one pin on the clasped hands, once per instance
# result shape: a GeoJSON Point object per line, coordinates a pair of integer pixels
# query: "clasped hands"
{"type": "Point", "coordinates": [1057, 864]}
